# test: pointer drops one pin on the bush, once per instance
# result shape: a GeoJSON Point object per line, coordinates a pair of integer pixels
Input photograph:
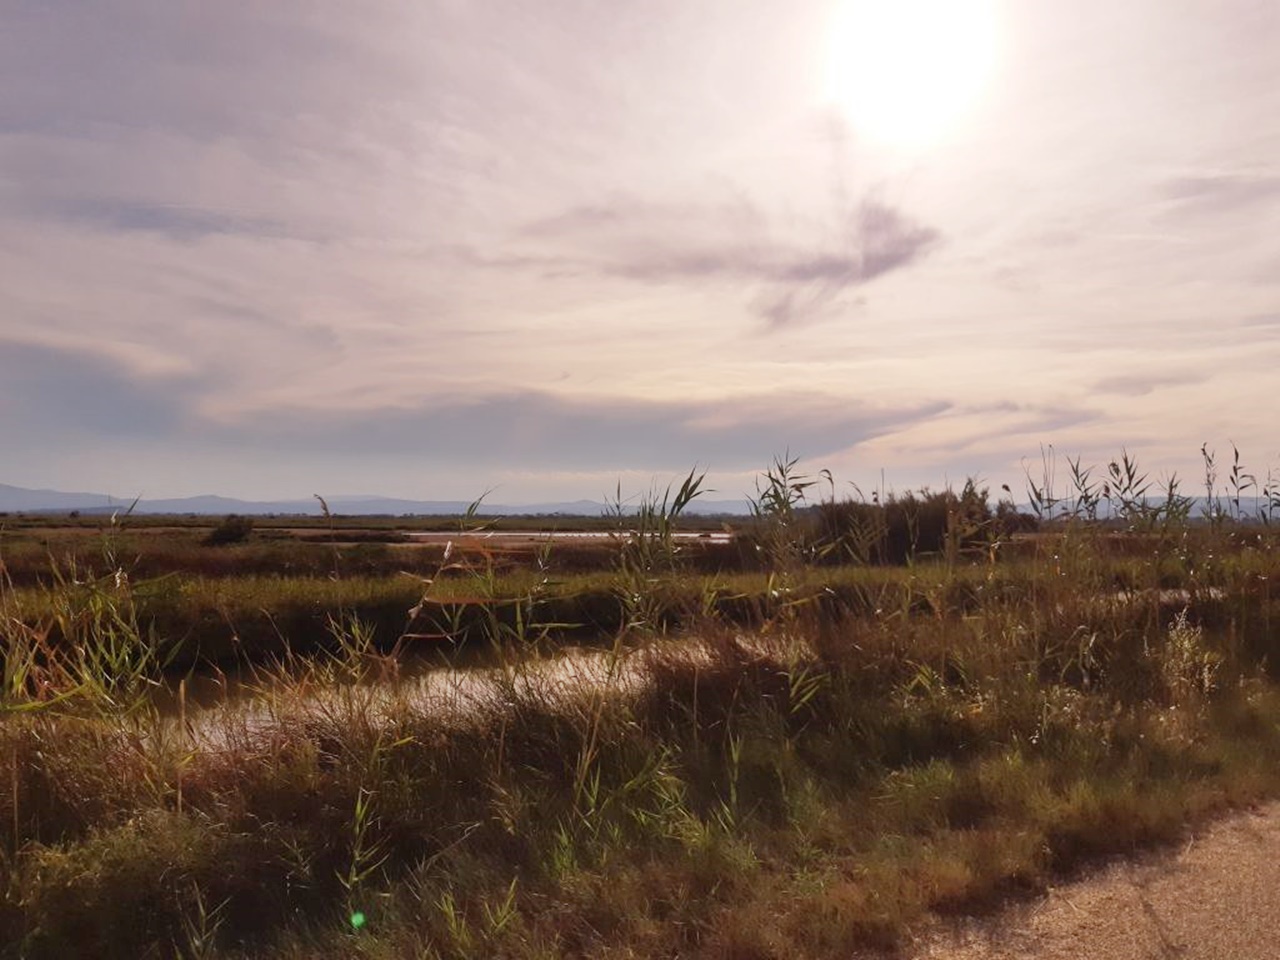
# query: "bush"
{"type": "Point", "coordinates": [234, 529]}
{"type": "Point", "coordinates": [903, 527]}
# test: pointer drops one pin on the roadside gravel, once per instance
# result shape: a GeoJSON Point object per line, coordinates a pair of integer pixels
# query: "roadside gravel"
{"type": "Point", "coordinates": [1215, 898]}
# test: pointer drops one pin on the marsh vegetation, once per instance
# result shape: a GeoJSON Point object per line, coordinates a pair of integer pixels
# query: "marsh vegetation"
{"type": "Point", "coordinates": [794, 743]}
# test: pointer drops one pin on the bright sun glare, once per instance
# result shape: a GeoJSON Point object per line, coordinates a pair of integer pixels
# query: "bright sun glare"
{"type": "Point", "coordinates": [906, 71]}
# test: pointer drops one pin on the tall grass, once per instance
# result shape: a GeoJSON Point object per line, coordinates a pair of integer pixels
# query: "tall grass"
{"type": "Point", "coordinates": [800, 761]}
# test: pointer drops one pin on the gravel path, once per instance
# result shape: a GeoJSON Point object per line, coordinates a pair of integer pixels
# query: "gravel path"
{"type": "Point", "coordinates": [1216, 898]}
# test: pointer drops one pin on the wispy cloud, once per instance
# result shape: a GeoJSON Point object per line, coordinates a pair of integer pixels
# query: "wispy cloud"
{"type": "Point", "coordinates": [180, 222]}
{"type": "Point", "coordinates": [1263, 320]}
{"type": "Point", "coordinates": [289, 236]}
{"type": "Point", "coordinates": [1139, 383]}
{"type": "Point", "coordinates": [734, 243]}
{"type": "Point", "coordinates": [45, 390]}
{"type": "Point", "coordinates": [1224, 191]}
{"type": "Point", "coordinates": [528, 430]}
{"type": "Point", "coordinates": [880, 240]}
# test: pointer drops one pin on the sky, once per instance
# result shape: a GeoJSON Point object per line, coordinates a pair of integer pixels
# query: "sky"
{"type": "Point", "coordinates": [430, 249]}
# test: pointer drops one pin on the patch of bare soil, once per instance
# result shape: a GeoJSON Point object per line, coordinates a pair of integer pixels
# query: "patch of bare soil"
{"type": "Point", "coordinates": [1215, 898]}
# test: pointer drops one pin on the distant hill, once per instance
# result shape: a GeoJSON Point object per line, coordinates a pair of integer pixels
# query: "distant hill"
{"type": "Point", "coordinates": [22, 500]}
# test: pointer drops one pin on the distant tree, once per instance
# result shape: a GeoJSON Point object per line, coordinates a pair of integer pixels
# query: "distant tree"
{"type": "Point", "coordinates": [234, 529]}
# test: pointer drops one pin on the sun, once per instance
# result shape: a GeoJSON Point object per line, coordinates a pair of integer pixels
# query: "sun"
{"type": "Point", "coordinates": [905, 72]}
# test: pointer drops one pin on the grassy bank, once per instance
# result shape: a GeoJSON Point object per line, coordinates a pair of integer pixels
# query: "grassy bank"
{"type": "Point", "coordinates": [800, 762]}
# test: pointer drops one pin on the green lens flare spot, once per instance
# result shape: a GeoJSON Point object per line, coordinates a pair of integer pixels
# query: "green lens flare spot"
{"type": "Point", "coordinates": [357, 920]}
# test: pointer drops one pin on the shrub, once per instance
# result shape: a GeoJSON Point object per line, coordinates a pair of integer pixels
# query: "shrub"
{"type": "Point", "coordinates": [234, 529]}
{"type": "Point", "coordinates": [906, 526]}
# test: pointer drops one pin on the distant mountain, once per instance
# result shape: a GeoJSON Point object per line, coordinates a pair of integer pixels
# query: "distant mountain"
{"type": "Point", "coordinates": [17, 499]}
{"type": "Point", "coordinates": [21, 500]}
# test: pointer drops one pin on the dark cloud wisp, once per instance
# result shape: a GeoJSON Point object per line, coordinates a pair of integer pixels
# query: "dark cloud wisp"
{"type": "Point", "coordinates": [539, 431]}
{"type": "Point", "coordinates": [664, 245]}
{"type": "Point", "coordinates": [1224, 191]}
{"type": "Point", "coordinates": [51, 397]}
{"type": "Point", "coordinates": [1142, 384]}
{"type": "Point", "coordinates": [176, 222]}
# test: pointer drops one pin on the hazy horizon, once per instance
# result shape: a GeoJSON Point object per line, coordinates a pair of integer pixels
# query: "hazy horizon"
{"type": "Point", "coordinates": [430, 250]}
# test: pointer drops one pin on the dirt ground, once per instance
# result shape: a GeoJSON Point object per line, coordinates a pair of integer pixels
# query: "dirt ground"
{"type": "Point", "coordinates": [1215, 898]}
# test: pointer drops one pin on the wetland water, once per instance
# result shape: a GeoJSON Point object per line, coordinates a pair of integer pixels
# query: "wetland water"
{"type": "Point", "coordinates": [218, 712]}
{"type": "Point", "coordinates": [429, 669]}
{"type": "Point", "coordinates": [543, 536]}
